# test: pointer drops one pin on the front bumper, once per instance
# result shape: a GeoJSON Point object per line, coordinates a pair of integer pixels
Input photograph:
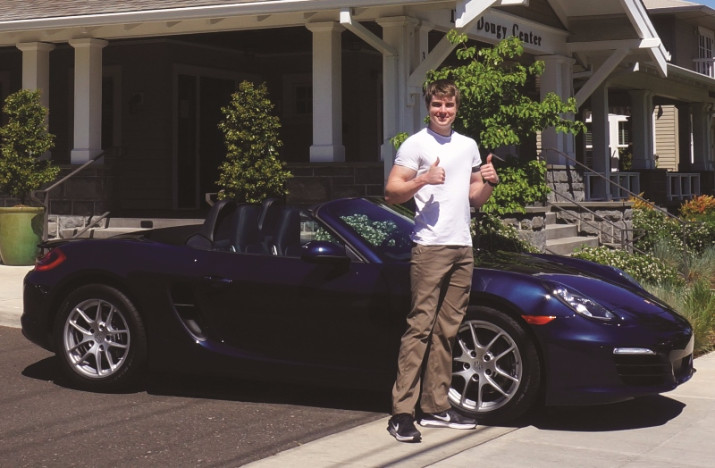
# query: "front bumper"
{"type": "Point", "coordinates": [584, 369]}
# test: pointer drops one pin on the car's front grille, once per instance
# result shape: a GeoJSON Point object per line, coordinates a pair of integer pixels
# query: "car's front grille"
{"type": "Point", "coordinates": [649, 370]}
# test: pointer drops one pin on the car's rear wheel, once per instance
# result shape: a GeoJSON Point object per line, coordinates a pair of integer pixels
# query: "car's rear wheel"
{"type": "Point", "coordinates": [100, 339]}
{"type": "Point", "coordinates": [496, 372]}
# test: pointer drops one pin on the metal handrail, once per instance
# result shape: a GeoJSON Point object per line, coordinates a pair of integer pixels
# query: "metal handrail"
{"type": "Point", "coordinates": [625, 245]}
{"type": "Point", "coordinates": [624, 189]}
{"type": "Point", "coordinates": [45, 201]}
{"type": "Point", "coordinates": [91, 224]}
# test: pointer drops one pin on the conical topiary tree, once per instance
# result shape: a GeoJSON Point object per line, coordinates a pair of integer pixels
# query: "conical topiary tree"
{"type": "Point", "coordinates": [23, 139]}
{"type": "Point", "coordinates": [252, 171]}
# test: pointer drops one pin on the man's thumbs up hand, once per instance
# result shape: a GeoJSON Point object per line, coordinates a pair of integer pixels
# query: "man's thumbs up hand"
{"type": "Point", "coordinates": [489, 174]}
{"type": "Point", "coordinates": [435, 175]}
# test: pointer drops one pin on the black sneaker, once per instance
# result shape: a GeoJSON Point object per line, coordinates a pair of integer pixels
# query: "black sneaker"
{"type": "Point", "coordinates": [402, 427]}
{"type": "Point", "coordinates": [449, 418]}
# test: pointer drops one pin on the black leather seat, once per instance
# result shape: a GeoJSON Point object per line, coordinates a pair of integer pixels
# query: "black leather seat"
{"type": "Point", "coordinates": [215, 232]}
{"type": "Point", "coordinates": [269, 222]}
{"type": "Point", "coordinates": [246, 235]}
{"type": "Point", "coordinates": [287, 240]}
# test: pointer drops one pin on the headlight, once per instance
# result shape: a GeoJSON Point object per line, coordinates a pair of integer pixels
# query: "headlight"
{"type": "Point", "coordinates": [583, 305]}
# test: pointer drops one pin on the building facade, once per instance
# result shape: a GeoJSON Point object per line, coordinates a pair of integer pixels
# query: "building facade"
{"type": "Point", "coordinates": [142, 82]}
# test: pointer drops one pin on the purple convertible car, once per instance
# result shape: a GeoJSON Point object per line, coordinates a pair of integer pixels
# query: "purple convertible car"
{"type": "Point", "coordinates": [319, 296]}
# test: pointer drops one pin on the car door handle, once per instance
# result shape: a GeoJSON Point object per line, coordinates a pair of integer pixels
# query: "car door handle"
{"type": "Point", "coordinates": [218, 281]}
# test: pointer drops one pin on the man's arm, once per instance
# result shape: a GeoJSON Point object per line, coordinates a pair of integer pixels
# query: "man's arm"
{"type": "Point", "coordinates": [403, 182]}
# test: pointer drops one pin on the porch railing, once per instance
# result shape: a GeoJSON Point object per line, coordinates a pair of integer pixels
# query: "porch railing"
{"type": "Point", "coordinates": [682, 185]}
{"type": "Point", "coordinates": [704, 66]}
{"type": "Point", "coordinates": [626, 235]}
{"type": "Point", "coordinates": [621, 184]}
{"type": "Point", "coordinates": [42, 196]}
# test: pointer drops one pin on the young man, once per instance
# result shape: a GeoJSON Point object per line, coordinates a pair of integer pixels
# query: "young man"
{"type": "Point", "coordinates": [444, 173]}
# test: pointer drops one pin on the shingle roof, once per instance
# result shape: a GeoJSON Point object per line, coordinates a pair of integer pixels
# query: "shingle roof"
{"type": "Point", "coordinates": [13, 10]}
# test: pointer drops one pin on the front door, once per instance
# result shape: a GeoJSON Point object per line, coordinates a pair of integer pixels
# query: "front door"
{"type": "Point", "coordinates": [199, 143]}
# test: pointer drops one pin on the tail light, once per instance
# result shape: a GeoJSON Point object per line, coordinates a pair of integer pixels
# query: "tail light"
{"type": "Point", "coordinates": [50, 260]}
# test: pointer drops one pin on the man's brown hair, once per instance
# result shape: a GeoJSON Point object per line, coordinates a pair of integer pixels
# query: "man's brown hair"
{"type": "Point", "coordinates": [443, 87]}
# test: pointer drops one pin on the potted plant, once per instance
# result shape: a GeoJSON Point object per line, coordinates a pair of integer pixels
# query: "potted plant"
{"type": "Point", "coordinates": [24, 139]}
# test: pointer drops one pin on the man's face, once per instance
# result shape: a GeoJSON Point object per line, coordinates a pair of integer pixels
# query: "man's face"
{"type": "Point", "coordinates": [442, 112]}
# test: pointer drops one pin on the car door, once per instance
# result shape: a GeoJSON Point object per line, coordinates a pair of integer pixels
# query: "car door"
{"type": "Point", "coordinates": [335, 314]}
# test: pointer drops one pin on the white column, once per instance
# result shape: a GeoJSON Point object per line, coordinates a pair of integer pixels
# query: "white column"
{"type": "Point", "coordinates": [87, 98]}
{"type": "Point", "coordinates": [557, 78]}
{"type": "Point", "coordinates": [36, 68]}
{"type": "Point", "coordinates": [642, 124]}
{"type": "Point", "coordinates": [702, 122]}
{"type": "Point", "coordinates": [401, 111]}
{"type": "Point", "coordinates": [600, 137]}
{"type": "Point", "coordinates": [327, 93]}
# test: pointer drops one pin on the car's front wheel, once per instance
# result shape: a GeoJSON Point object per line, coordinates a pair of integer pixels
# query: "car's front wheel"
{"type": "Point", "coordinates": [100, 339]}
{"type": "Point", "coordinates": [496, 372]}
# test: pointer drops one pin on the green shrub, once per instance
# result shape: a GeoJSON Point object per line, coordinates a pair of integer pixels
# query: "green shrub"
{"type": "Point", "coordinates": [644, 268]}
{"type": "Point", "coordinates": [490, 233]}
{"type": "Point", "coordinates": [252, 171]}
{"type": "Point", "coordinates": [651, 226]}
{"type": "Point", "coordinates": [25, 140]}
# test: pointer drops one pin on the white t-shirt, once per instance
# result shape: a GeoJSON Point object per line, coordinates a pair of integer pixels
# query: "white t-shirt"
{"type": "Point", "coordinates": [443, 214]}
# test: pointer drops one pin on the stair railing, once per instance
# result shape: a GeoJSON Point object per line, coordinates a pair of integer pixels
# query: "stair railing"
{"type": "Point", "coordinates": [626, 242]}
{"type": "Point", "coordinates": [42, 196]}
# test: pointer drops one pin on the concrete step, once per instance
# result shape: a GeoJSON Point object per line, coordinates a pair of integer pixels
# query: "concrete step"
{"type": "Point", "coordinates": [550, 218]}
{"type": "Point", "coordinates": [560, 231]}
{"type": "Point", "coordinates": [567, 245]}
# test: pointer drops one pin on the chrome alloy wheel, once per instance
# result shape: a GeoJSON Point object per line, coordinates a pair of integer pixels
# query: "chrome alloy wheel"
{"type": "Point", "coordinates": [487, 367]}
{"type": "Point", "coordinates": [96, 338]}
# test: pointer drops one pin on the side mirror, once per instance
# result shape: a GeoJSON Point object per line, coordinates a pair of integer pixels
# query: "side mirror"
{"type": "Point", "coordinates": [324, 252]}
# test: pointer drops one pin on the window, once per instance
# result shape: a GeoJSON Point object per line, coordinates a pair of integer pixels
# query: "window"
{"type": "Point", "coordinates": [704, 62]}
{"type": "Point", "coordinates": [297, 97]}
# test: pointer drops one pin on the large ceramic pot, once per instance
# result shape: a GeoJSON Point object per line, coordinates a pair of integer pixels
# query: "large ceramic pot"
{"type": "Point", "coordinates": [20, 234]}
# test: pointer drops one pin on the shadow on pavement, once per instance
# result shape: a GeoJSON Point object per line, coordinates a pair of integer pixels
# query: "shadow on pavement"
{"type": "Point", "coordinates": [641, 412]}
{"type": "Point", "coordinates": [648, 411]}
{"type": "Point", "coordinates": [233, 389]}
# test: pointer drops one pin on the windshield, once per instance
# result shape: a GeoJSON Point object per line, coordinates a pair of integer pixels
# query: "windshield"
{"type": "Point", "coordinates": [380, 227]}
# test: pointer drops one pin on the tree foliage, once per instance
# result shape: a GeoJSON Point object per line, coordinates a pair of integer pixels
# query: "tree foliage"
{"type": "Point", "coordinates": [251, 171]}
{"type": "Point", "coordinates": [24, 139]}
{"type": "Point", "coordinates": [496, 108]}
{"type": "Point", "coordinates": [521, 183]}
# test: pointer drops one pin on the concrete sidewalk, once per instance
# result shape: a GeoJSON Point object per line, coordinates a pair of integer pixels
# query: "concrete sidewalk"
{"type": "Point", "coordinates": [673, 430]}
{"type": "Point", "coordinates": [11, 294]}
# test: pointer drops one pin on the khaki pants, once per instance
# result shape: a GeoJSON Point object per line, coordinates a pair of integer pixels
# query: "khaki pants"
{"type": "Point", "coordinates": [441, 278]}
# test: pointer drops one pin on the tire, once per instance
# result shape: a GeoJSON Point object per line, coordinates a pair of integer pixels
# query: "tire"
{"type": "Point", "coordinates": [496, 371]}
{"type": "Point", "coordinates": [100, 339]}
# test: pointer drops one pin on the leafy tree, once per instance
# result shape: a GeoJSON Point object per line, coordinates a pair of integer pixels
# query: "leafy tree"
{"type": "Point", "coordinates": [497, 110]}
{"type": "Point", "coordinates": [251, 171]}
{"type": "Point", "coordinates": [24, 139]}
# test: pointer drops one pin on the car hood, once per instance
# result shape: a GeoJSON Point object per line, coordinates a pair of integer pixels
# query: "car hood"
{"type": "Point", "coordinates": [533, 264]}
{"type": "Point", "coordinates": [607, 285]}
